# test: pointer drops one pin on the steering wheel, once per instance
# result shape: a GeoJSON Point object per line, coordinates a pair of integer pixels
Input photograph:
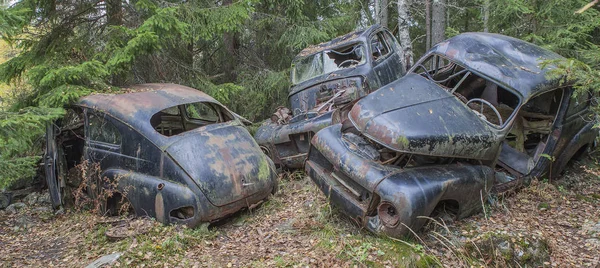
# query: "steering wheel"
{"type": "Point", "coordinates": [488, 104]}
{"type": "Point", "coordinates": [349, 62]}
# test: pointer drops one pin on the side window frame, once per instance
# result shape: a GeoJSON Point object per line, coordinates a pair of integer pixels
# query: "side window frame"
{"type": "Point", "coordinates": [105, 121]}
{"type": "Point", "coordinates": [379, 35]}
{"type": "Point", "coordinates": [390, 38]}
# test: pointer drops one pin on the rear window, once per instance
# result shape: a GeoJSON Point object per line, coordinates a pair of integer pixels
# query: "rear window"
{"type": "Point", "coordinates": [185, 117]}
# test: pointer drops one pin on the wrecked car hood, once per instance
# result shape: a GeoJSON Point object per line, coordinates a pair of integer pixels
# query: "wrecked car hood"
{"type": "Point", "coordinates": [224, 161]}
{"type": "Point", "coordinates": [415, 115]}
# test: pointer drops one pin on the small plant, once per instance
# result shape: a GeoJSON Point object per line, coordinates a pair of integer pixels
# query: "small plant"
{"type": "Point", "coordinates": [96, 193]}
{"type": "Point", "coordinates": [551, 159]}
{"type": "Point", "coordinates": [361, 252]}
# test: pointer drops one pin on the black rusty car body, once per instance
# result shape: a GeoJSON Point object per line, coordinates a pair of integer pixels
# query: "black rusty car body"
{"type": "Point", "coordinates": [476, 112]}
{"type": "Point", "coordinates": [324, 77]}
{"type": "Point", "coordinates": [173, 152]}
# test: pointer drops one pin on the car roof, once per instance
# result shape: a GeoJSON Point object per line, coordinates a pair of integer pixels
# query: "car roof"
{"type": "Point", "coordinates": [512, 62]}
{"type": "Point", "coordinates": [348, 38]}
{"type": "Point", "coordinates": [138, 103]}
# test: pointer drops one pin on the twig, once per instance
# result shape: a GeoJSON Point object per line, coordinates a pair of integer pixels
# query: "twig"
{"type": "Point", "coordinates": [586, 7]}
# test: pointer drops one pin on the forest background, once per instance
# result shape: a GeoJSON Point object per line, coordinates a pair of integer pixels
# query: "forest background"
{"type": "Point", "coordinates": [53, 52]}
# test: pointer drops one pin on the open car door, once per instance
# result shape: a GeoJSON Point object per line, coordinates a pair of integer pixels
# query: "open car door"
{"type": "Point", "coordinates": [52, 168]}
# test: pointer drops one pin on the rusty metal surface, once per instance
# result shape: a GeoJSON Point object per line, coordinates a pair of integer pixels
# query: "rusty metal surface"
{"type": "Point", "coordinates": [338, 41]}
{"type": "Point", "coordinates": [135, 109]}
{"type": "Point", "coordinates": [287, 145]}
{"type": "Point", "coordinates": [415, 115]}
{"type": "Point", "coordinates": [511, 62]}
{"type": "Point", "coordinates": [200, 175]}
{"type": "Point", "coordinates": [312, 101]}
{"type": "Point", "coordinates": [413, 192]}
{"type": "Point", "coordinates": [454, 156]}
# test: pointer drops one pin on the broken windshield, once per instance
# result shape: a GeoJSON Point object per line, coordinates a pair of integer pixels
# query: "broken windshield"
{"type": "Point", "coordinates": [327, 61]}
{"type": "Point", "coordinates": [491, 102]}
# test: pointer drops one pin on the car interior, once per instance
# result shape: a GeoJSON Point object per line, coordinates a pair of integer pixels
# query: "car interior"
{"type": "Point", "coordinates": [378, 46]}
{"type": "Point", "coordinates": [178, 119]}
{"type": "Point", "coordinates": [488, 100]}
{"type": "Point", "coordinates": [533, 122]}
{"type": "Point", "coordinates": [345, 57]}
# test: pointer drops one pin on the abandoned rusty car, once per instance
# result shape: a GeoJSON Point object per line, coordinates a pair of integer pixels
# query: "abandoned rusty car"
{"type": "Point", "coordinates": [324, 77]}
{"type": "Point", "coordinates": [475, 112]}
{"type": "Point", "coordinates": [173, 152]}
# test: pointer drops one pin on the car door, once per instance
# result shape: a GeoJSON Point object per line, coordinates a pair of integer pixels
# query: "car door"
{"type": "Point", "coordinates": [384, 58]}
{"type": "Point", "coordinates": [395, 61]}
{"type": "Point", "coordinates": [102, 141]}
{"type": "Point", "coordinates": [576, 117]}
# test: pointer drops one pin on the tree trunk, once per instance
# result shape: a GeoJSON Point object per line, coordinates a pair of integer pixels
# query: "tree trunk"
{"type": "Point", "coordinates": [230, 44]}
{"type": "Point", "coordinates": [114, 11]}
{"type": "Point", "coordinates": [381, 9]}
{"type": "Point", "coordinates": [404, 33]}
{"type": "Point", "coordinates": [377, 7]}
{"type": "Point", "coordinates": [114, 14]}
{"type": "Point", "coordinates": [438, 27]}
{"type": "Point", "coordinates": [486, 15]}
{"type": "Point", "coordinates": [427, 24]}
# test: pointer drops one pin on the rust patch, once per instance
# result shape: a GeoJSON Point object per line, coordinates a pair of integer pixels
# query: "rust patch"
{"type": "Point", "coordinates": [159, 208]}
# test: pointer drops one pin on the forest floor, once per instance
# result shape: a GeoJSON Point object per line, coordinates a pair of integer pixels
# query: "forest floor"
{"type": "Point", "coordinates": [546, 224]}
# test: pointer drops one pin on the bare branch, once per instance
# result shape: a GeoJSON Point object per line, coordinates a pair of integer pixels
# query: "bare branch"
{"type": "Point", "coordinates": [586, 7]}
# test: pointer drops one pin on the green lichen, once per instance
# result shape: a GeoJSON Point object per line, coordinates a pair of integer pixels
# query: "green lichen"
{"type": "Point", "coordinates": [402, 140]}
{"type": "Point", "coordinates": [264, 171]}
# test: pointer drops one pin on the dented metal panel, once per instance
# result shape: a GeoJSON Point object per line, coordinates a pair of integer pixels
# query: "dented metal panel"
{"type": "Point", "coordinates": [415, 115]}
{"type": "Point", "coordinates": [223, 161]}
{"type": "Point", "coordinates": [206, 172]}
{"type": "Point", "coordinates": [511, 62]}
{"type": "Point", "coordinates": [416, 143]}
{"type": "Point", "coordinates": [313, 100]}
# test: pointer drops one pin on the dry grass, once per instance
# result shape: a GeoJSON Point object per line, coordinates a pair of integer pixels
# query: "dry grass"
{"type": "Point", "coordinates": [298, 228]}
{"type": "Point", "coordinates": [294, 228]}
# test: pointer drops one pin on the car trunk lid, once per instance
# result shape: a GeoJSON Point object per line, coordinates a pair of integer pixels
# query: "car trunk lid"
{"type": "Point", "coordinates": [224, 161]}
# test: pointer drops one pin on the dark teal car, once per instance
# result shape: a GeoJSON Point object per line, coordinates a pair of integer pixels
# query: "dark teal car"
{"type": "Point", "coordinates": [174, 153]}
{"type": "Point", "coordinates": [325, 77]}
{"type": "Point", "coordinates": [476, 113]}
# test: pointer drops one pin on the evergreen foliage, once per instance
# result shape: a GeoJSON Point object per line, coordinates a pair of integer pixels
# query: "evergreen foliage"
{"type": "Point", "coordinates": [19, 131]}
{"type": "Point", "coordinates": [237, 51]}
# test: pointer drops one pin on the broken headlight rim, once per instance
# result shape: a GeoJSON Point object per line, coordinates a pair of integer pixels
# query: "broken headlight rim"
{"type": "Point", "coordinates": [388, 214]}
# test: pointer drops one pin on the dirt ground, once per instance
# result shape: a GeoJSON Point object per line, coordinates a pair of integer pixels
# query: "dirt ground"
{"type": "Point", "coordinates": [546, 224]}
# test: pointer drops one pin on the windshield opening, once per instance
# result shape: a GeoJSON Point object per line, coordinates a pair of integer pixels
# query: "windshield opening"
{"type": "Point", "coordinates": [185, 117]}
{"type": "Point", "coordinates": [327, 61]}
{"type": "Point", "coordinates": [491, 102]}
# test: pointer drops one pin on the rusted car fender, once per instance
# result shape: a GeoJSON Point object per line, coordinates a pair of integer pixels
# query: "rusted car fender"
{"type": "Point", "coordinates": [415, 193]}
{"type": "Point", "coordinates": [283, 144]}
{"type": "Point", "coordinates": [581, 141]}
{"type": "Point", "coordinates": [409, 194]}
{"type": "Point", "coordinates": [150, 195]}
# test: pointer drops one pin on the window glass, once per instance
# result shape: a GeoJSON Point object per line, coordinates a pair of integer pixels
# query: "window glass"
{"type": "Point", "coordinates": [201, 111]}
{"type": "Point", "coordinates": [578, 103]}
{"type": "Point", "coordinates": [378, 47]}
{"type": "Point", "coordinates": [102, 130]}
